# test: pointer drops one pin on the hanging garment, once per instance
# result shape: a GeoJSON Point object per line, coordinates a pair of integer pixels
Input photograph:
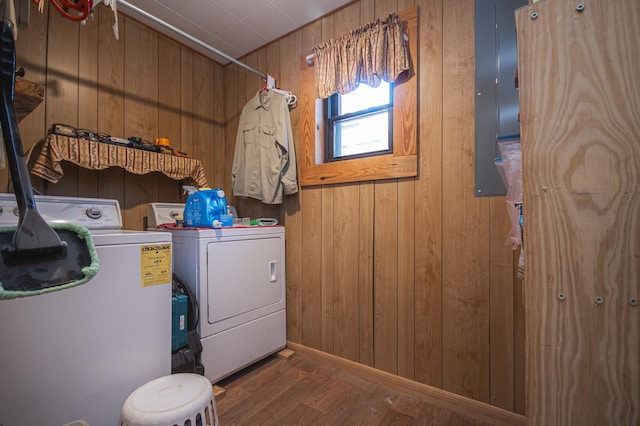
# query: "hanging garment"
{"type": "Point", "coordinates": [264, 161]}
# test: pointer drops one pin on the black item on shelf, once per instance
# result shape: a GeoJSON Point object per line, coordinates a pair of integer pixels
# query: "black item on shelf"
{"type": "Point", "coordinates": [64, 130]}
{"type": "Point", "coordinates": [145, 147]}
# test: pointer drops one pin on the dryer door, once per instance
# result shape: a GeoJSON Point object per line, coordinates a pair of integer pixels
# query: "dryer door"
{"type": "Point", "coordinates": [245, 280]}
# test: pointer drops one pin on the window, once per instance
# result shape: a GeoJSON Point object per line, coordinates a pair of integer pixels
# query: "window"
{"type": "Point", "coordinates": [360, 123]}
{"type": "Point", "coordinates": [398, 160]}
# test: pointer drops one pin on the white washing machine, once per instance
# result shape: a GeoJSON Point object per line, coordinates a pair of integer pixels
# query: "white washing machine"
{"type": "Point", "coordinates": [238, 277]}
{"type": "Point", "coordinates": [76, 354]}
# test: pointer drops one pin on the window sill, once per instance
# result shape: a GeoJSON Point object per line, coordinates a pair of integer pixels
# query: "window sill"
{"type": "Point", "coordinates": [362, 169]}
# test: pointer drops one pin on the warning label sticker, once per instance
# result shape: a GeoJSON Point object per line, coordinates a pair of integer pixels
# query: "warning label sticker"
{"type": "Point", "coordinates": [155, 264]}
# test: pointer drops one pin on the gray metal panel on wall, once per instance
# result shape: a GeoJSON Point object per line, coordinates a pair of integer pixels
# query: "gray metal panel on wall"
{"type": "Point", "coordinates": [496, 108]}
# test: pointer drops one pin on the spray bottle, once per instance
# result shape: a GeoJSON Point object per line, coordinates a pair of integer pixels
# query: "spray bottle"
{"type": "Point", "coordinates": [206, 208]}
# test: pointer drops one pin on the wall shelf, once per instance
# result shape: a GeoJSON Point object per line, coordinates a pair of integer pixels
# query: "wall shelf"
{"type": "Point", "coordinates": [99, 155]}
{"type": "Point", "coordinates": [28, 96]}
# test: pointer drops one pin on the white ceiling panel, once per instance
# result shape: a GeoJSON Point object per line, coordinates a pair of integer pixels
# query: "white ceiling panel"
{"type": "Point", "coordinates": [176, 6]}
{"type": "Point", "coordinates": [231, 27]}
{"type": "Point", "coordinates": [199, 12]}
{"type": "Point", "coordinates": [243, 37]}
{"type": "Point", "coordinates": [270, 22]}
{"type": "Point", "coordinates": [313, 9]}
{"type": "Point", "coordinates": [241, 8]}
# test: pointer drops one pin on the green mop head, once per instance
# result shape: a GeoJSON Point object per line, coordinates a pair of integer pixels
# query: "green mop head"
{"type": "Point", "coordinates": [41, 276]}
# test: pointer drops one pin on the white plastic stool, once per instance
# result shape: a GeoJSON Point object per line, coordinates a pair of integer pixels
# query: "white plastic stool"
{"type": "Point", "coordinates": [183, 399]}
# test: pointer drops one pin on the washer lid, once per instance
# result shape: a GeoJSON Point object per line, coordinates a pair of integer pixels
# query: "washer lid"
{"type": "Point", "coordinates": [105, 237]}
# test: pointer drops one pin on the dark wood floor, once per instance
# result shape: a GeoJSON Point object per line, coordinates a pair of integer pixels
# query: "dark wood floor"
{"type": "Point", "coordinates": [301, 391]}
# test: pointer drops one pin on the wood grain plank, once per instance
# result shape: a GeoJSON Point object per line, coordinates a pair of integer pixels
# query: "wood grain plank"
{"type": "Point", "coordinates": [327, 236]}
{"type": "Point", "coordinates": [385, 284]}
{"type": "Point", "coordinates": [217, 124]}
{"type": "Point", "coordinates": [88, 99]}
{"type": "Point", "coordinates": [311, 211]}
{"type": "Point", "coordinates": [345, 278]}
{"type": "Point", "coordinates": [327, 262]}
{"type": "Point", "coordinates": [272, 64]}
{"type": "Point", "coordinates": [62, 89]}
{"type": "Point", "coordinates": [188, 112]}
{"type": "Point", "coordinates": [519, 364]}
{"type": "Point", "coordinates": [111, 101]}
{"type": "Point", "coordinates": [291, 209]}
{"type": "Point", "coordinates": [345, 19]}
{"type": "Point", "coordinates": [345, 273]}
{"type": "Point", "coordinates": [380, 167]}
{"type": "Point", "coordinates": [203, 145]}
{"type": "Point", "coordinates": [233, 106]}
{"type": "Point", "coordinates": [232, 112]}
{"type": "Point", "coordinates": [384, 7]}
{"type": "Point", "coordinates": [365, 272]}
{"type": "Point", "coordinates": [405, 136]}
{"type": "Point", "coordinates": [367, 11]}
{"type": "Point", "coordinates": [311, 35]}
{"type": "Point", "coordinates": [312, 292]}
{"type": "Point", "coordinates": [169, 109]}
{"type": "Point", "coordinates": [406, 218]}
{"type": "Point", "coordinates": [141, 115]}
{"type": "Point", "coordinates": [581, 161]}
{"type": "Point", "coordinates": [501, 320]}
{"type": "Point", "coordinates": [404, 93]}
{"type": "Point", "coordinates": [428, 202]}
{"type": "Point", "coordinates": [404, 4]}
{"type": "Point", "coordinates": [466, 219]}
{"type": "Point", "coordinates": [169, 92]}
{"type": "Point", "coordinates": [307, 104]}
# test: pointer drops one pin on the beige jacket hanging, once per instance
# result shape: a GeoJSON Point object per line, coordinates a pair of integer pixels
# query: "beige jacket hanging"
{"type": "Point", "coordinates": [264, 161]}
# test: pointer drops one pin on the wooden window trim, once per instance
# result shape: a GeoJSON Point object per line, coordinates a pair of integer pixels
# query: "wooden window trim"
{"type": "Point", "coordinates": [404, 160]}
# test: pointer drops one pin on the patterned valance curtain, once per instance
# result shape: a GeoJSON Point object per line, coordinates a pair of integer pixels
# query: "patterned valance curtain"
{"type": "Point", "coordinates": [378, 51]}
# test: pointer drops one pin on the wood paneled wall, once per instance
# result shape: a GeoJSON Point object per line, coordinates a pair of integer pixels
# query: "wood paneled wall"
{"type": "Point", "coordinates": [410, 276]}
{"type": "Point", "coordinates": [143, 84]}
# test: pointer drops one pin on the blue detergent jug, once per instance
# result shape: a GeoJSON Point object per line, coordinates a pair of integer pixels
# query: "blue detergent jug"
{"type": "Point", "coordinates": [207, 209]}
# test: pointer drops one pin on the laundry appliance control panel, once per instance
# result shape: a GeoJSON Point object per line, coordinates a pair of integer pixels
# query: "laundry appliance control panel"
{"type": "Point", "coordinates": [92, 213]}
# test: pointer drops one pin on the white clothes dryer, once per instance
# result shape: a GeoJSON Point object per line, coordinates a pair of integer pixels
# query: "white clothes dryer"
{"type": "Point", "coordinates": [238, 277]}
{"type": "Point", "coordinates": [77, 354]}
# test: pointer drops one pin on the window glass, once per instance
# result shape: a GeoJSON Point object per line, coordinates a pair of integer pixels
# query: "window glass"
{"type": "Point", "coordinates": [362, 134]}
{"type": "Point", "coordinates": [364, 97]}
{"type": "Point", "coordinates": [359, 123]}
